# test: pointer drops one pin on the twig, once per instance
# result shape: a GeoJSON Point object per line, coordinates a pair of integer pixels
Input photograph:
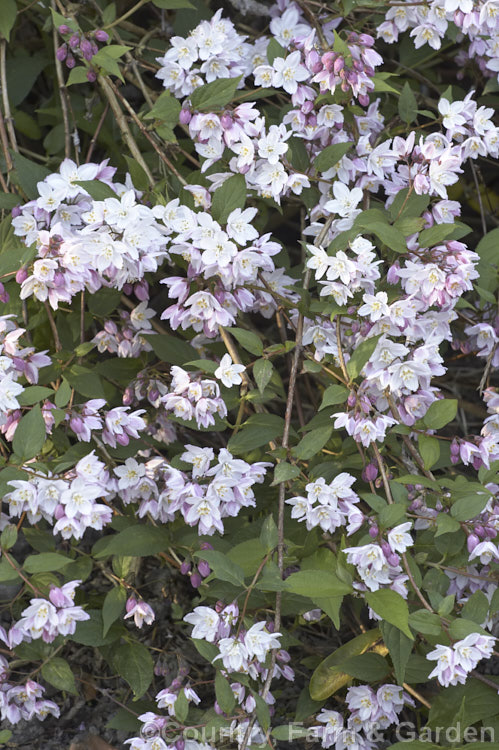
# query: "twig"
{"type": "Point", "coordinates": [62, 92]}
{"type": "Point", "coordinates": [53, 326]}
{"type": "Point", "coordinates": [97, 132]}
{"type": "Point", "coordinates": [5, 96]}
{"type": "Point", "coordinates": [479, 197]}
{"type": "Point", "coordinates": [416, 695]}
{"type": "Point", "coordinates": [107, 88]}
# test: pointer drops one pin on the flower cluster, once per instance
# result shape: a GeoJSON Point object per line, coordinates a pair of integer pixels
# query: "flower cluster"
{"type": "Point", "coordinates": [456, 662]}
{"type": "Point", "coordinates": [47, 619]}
{"type": "Point", "coordinates": [368, 710]}
{"type": "Point", "coordinates": [82, 45]}
{"type": "Point", "coordinates": [83, 243]}
{"type": "Point", "coordinates": [329, 506]}
{"type": "Point", "coordinates": [127, 339]}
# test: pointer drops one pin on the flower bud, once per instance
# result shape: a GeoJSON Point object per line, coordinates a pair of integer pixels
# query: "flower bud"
{"type": "Point", "coordinates": [74, 41]}
{"type": "Point", "coordinates": [62, 52]}
{"type": "Point", "coordinates": [195, 580]}
{"type": "Point", "coordinates": [21, 275]}
{"type": "Point", "coordinates": [63, 29]}
{"type": "Point", "coordinates": [393, 560]}
{"type": "Point", "coordinates": [101, 35]}
{"type": "Point", "coordinates": [373, 531]}
{"type": "Point", "coordinates": [70, 62]}
{"type": "Point", "coordinates": [204, 568]}
{"type": "Point", "coordinates": [472, 542]}
{"type": "Point", "coordinates": [371, 472]}
{"type": "Point", "coordinates": [185, 116]}
{"type": "Point", "coordinates": [185, 567]}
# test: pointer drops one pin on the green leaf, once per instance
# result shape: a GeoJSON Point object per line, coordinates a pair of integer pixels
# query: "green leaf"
{"type": "Point", "coordinates": [139, 177]}
{"type": "Point", "coordinates": [33, 394]}
{"type": "Point", "coordinates": [469, 506]}
{"type": "Point", "coordinates": [108, 63]}
{"type": "Point", "coordinates": [399, 647]}
{"type": "Point", "coordinates": [169, 349]}
{"type": "Point", "coordinates": [181, 707]}
{"type": "Point", "coordinates": [63, 394]}
{"type": "Point", "coordinates": [429, 448]}
{"type": "Point", "coordinates": [392, 237]}
{"type": "Point", "coordinates": [229, 196]}
{"type": "Point", "coordinates": [8, 201]}
{"type": "Point", "coordinates": [262, 372]}
{"type": "Point", "coordinates": [30, 434]}
{"type": "Point", "coordinates": [334, 394]}
{"type": "Point", "coordinates": [440, 413]}
{"type": "Point", "coordinates": [476, 608]}
{"type": "Point", "coordinates": [316, 583]}
{"type": "Point", "coordinates": [248, 340]}
{"type": "Point", "coordinates": [262, 711]}
{"type": "Point", "coordinates": [113, 606]}
{"type": "Point", "coordinates": [274, 50]}
{"type": "Point", "coordinates": [312, 442]}
{"type": "Point", "coordinates": [331, 155]}
{"type": "Point", "coordinates": [57, 672]}
{"type": "Point", "coordinates": [138, 540]}
{"type": "Point", "coordinates": [446, 524]}
{"type": "Point", "coordinates": [284, 472]}
{"type": "Point", "coordinates": [435, 235]}
{"type": "Point", "coordinates": [361, 355]}
{"type": "Point", "coordinates": [329, 677]}
{"type": "Point", "coordinates": [96, 189]}
{"type": "Point", "coordinates": [425, 622]}
{"type": "Point", "coordinates": [412, 206]}
{"type": "Point", "coordinates": [45, 562]}
{"type": "Point", "coordinates": [391, 607]}
{"type": "Point", "coordinates": [5, 736]}
{"type": "Point", "coordinates": [223, 568]}
{"type": "Point", "coordinates": [214, 95]}
{"type": "Point", "coordinates": [7, 18]}
{"type": "Point", "coordinates": [134, 663]}
{"type": "Point", "coordinates": [223, 692]}
{"type": "Point", "coordinates": [85, 381]}
{"type": "Point", "coordinates": [368, 667]}
{"type": "Point", "coordinates": [8, 537]}
{"type": "Point", "coordinates": [269, 536]}
{"type": "Point", "coordinates": [391, 515]}
{"type": "Point", "coordinates": [77, 75]}
{"type": "Point", "coordinates": [28, 173]}
{"type": "Point", "coordinates": [166, 108]}
{"type": "Point", "coordinates": [255, 434]}
{"type": "Point", "coordinates": [407, 104]}
{"type": "Point", "coordinates": [89, 632]}
{"type": "Point", "coordinates": [172, 4]}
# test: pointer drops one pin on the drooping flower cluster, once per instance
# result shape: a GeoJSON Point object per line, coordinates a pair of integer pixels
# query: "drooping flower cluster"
{"type": "Point", "coordinates": [47, 619]}
{"type": "Point", "coordinates": [24, 701]}
{"type": "Point", "coordinates": [191, 397]}
{"type": "Point", "coordinates": [127, 339]}
{"type": "Point", "coordinates": [204, 497]}
{"type": "Point", "coordinates": [329, 505]}
{"type": "Point", "coordinates": [369, 711]}
{"type": "Point", "coordinates": [82, 243]}
{"type": "Point", "coordinates": [456, 662]}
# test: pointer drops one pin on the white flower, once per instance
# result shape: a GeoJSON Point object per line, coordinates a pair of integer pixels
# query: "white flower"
{"type": "Point", "coordinates": [288, 72]}
{"type": "Point", "coordinates": [398, 538]}
{"type": "Point", "coordinates": [228, 372]}
{"type": "Point", "coordinates": [205, 621]}
{"type": "Point", "coordinates": [140, 315]}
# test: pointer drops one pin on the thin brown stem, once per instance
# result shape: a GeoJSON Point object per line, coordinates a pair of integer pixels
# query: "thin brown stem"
{"type": "Point", "coordinates": [97, 132]}
{"type": "Point", "coordinates": [63, 93]}
{"type": "Point", "coordinates": [5, 96]}
{"type": "Point", "coordinates": [55, 333]}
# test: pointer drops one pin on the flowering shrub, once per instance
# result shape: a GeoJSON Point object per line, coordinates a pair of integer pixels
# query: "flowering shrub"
{"type": "Point", "coordinates": [249, 346]}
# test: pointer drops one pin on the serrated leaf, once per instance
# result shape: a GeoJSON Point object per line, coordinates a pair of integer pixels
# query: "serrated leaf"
{"type": "Point", "coordinates": [407, 104]}
{"type": "Point", "coordinates": [108, 63]}
{"type": "Point", "coordinates": [8, 15]}
{"type": "Point", "coordinates": [170, 349]}
{"type": "Point", "coordinates": [368, 667]}
{"type": "Point", "coordinates": [248, 340]}
{"type": "Point", "coordinates": [331, 155]}
{"type": "Point", "coordinates": [58, 673]}
{"type": "Point", "coordinates": [262, 372]}
{"type": "Point", "coordinates": [223, 692]}
{"type": "Point", "coordinates": [429, 448]}
{"type": "Point", "coordinates": [284, 472]}
{"type": "Point", "coordinates": [214, 95]}
{"type": "Point", "coordinates": [361, 356]}
{"type": "Point", "coordinates": [166, 108]}
{"type": "Point", "coordinates": [269, 535]}
{"type": "Point", "coordinates": [312, 443]}
{"type": "Point", "coordinates": [113, 606]}
{"type": "Point", "coordinates": [8, 537]}
{"type": "Point", "coordinates": [223, 568]}
{"type": "Point", "coordinates": [30, 434]}
{"type": "Point", "coordinates": [440, 413]}
{"type": "Point", "coordinates": [391, 607]}
{"type": "Point", "coordinates": [34, 394]}
{"type": "Point", "coordinates": [135, 541]}
{"type": "Point", "coordinates": [134, 663]}
{"type": "Point", "coordinates": [328, 677]}
{"type": "Point", "coordinates": [316, 583]}
{"type": "Point", "coordinates": [97, 190]}
{"type": "Point", "coordinates": [399, 647]}
{"type": "Point", "coordinates": [229, 196]}
{"type": "Point", "coordinates": [469, 506]}
{"type": "Point", "coordinates": [77, 75]}
{"type": "Point", "coordinates": [45, 562]}
{"type": "Point", "coordinates": [334, 394]}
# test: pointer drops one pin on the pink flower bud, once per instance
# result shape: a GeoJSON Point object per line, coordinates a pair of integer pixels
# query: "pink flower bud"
{"type": "Point", "coordinates": [101, 35]}
{"type": "Point", "coordinates": [122, 439]}
{"type": "Point", "coordinates": [74, 41]}
{"type": "Point", "coordinates": [127, 288]}
{"type": "Point", "coordinates": [195, 580]}
{"type": "Point", "coordinates": [204, 568]}
{"type": "Point", "coordinates": [185, 116]}
{"type": "Point", "coordinates": [373, 531]}
{"type": "Point", "coordinates": [206, 545]}
{"type": "Point", "coordinates": [130, 603]}
{"type": "Point", "coordinates": [21, 275]}
{"type": "Point", "coordinates": [141, 290]}
{"type": "Point", "coordinates": [472, 542]}
{"type": "Point", "coordinates": [185, 567]}
{"type": "Point", "coordinates": [63, 29]}
{"type": "Point", "coordinates": [393, 560]}
{"type": "Point", "coordinates": [226, 121]}
{"type": "Point", "coordinates": [62, 52]}
{"type": "Point", "coordinates": [70, 62]}
{"type": "Point", "coordinates": [371, 472]}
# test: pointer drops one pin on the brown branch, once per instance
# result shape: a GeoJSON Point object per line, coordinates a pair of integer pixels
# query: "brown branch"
{"type": "Point", "coordinates": [63, 93]}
